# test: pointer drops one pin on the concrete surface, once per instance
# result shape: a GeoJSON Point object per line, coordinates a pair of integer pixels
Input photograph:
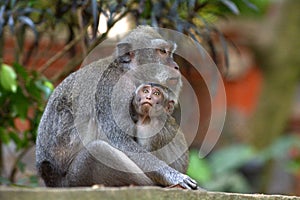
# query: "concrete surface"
{"type": "Point", "coordinates": [125, 193]}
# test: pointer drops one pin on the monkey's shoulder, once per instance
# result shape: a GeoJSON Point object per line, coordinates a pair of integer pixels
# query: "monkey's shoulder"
{"type": "Point", "coordinates": [93, 69]}
{"type": "Point", "coordinates": [81, 82]}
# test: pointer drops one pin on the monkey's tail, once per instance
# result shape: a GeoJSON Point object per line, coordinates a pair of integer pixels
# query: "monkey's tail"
{"type": "Point", "coordinates": [51, 175]}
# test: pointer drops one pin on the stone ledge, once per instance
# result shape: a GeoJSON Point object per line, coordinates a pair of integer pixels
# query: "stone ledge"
{"type": "Point", "coordinates": [126, 193]}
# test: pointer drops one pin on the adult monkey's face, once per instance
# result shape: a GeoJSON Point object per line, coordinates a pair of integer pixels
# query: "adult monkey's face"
{"type": "Point", "coordinates": [150, 57]}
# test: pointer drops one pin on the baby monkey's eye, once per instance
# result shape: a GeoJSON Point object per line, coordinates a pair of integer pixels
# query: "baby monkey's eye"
{"type": "Point", "coordinates": [145, 90]}
{"type": "Point", "coordinates": [157, 93]}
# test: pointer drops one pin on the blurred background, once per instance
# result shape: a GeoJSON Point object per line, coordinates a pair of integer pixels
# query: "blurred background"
{"type": "Point", "coordinates": [254, 44]}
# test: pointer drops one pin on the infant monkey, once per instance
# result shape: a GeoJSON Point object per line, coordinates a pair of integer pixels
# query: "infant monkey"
{"type": "Point", "coordinates": [156, 130]}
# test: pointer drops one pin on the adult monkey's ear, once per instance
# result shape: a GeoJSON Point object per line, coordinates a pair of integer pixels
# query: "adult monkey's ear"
{"type": "Point", "coordinates": [124, 52]}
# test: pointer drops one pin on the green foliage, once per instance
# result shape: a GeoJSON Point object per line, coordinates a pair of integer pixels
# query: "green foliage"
{"type": "Point", "coordinates": [194, 18]}
{"type": "Point", "coordinates": [8, 78]}
{"type": "Point", "coordinates": [259, 7]}
{"type": "Point", "coordinates": [221, 171]}
{"type": "Point", "coordinates": [22, 97]}
{"type": "Point", "coordinates": [199, 168]}
{"type": "Point", "coordinates": [20, 16]}
{"type": "Point", "coordinates": [14, 12]}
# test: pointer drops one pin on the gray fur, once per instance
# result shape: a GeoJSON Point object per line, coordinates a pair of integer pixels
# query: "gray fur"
{"type": "Point", "coordinates": [80, 140]}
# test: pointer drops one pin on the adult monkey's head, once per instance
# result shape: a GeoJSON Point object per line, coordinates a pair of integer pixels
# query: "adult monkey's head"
{"type": "Point", "coordinates": [150, 58]}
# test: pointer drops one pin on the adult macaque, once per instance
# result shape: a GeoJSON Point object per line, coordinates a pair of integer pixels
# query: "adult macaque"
{"type": "Point", "coordinates": [81, 143]}
{"type": "Point", "coordinates": [156, 130]}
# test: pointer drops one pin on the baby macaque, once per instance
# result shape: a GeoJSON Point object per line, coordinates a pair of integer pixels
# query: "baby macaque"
{"type": "Point", "coordinates": [156, 130]}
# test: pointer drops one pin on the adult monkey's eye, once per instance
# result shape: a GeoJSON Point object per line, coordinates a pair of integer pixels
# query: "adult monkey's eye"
{"type": "Point", "coordinates": [163, 51]}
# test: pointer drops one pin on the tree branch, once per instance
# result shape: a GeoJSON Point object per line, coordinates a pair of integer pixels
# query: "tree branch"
{"type": "Point", "coordinates": [59, 54]}
{"type": "Point", "coordinates": [15, 165]}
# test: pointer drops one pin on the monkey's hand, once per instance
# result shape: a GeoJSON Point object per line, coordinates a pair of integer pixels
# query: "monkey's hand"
{"type": "Point", "coordinates": [187, 182]}
{"type": "Point", "coordinates": [179, 186]}
{"type": "Point", "coordinates": [182, 180]}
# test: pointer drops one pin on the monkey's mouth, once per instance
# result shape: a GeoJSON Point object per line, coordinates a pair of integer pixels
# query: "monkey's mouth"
{"type": "Point", "coordinates": [146, 103]}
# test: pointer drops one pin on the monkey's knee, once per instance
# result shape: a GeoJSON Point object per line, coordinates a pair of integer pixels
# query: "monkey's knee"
{"type": "Point", "coordinates": [112, 157]}
{"type": "Point", "coordinates": [101, 163]}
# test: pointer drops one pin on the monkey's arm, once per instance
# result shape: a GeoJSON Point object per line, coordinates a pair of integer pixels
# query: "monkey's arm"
{"type": "Point", "coordinates": [169, 145]}
{"type": "Point", "coordinates": [156, 169]}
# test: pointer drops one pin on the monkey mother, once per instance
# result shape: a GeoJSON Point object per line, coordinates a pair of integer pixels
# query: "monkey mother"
{"type": "Point", "coordinates": [83, 141]}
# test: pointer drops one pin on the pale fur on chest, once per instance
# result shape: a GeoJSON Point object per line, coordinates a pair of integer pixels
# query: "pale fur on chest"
{"type": "Point", "coordinates": [144, 132]}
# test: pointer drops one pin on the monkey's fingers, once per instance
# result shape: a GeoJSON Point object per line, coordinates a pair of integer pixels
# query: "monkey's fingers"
{"type": "Point", "coordinates": [186, 186]}
{"type": "Point", "coordinates": [189, 184]}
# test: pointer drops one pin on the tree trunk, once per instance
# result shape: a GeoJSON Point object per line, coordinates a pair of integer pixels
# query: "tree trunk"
{"type": "Point", "coordinates": [281, 65]}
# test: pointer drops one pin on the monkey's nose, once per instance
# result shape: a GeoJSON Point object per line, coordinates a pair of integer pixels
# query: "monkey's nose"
{"type": "Point", "coordinates": [174, 65]}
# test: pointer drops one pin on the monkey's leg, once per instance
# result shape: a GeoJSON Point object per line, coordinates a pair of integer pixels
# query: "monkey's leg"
{"type": "Point", "coordinates": [101, 163]}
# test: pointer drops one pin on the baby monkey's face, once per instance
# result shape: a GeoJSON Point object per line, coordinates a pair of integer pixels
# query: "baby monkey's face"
{"type": "Point", "coordinates": [148, 99]}
{"type": "Point", "coordinates": [150, 95]}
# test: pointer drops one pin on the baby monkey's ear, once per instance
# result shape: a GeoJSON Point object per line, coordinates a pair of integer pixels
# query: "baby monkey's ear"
{"type": "Point", "coordinates": [170, 107]}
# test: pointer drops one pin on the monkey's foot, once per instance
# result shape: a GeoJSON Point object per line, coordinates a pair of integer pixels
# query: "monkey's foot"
{"type": "Point", "coordinates": [179, 186]}
{"type": "Point", "coordinates": [176, 186]}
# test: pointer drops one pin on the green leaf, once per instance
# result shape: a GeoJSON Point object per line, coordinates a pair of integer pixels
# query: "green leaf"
{"type": "Point", "coordinates": [231, 6]}
{"type": "Point", "coordinates": [8, 78]}
{"type": "Point", "coordinates": [4, 137]}
{"type": "Point", "coordinates": [49, 85]}
{"type": "Point", "coordinates": [198, 168]}
{"type": "Point", "coordinates": [2, 21]}
{"type": "Point", "coordinates": [45, 87]}
{"type": "Point", "coordinates": [26, 20]}
{"type": "Point", "coordinates": [250, 5]}
{"type": "Point", "coordinates": [20, 70]}
{"type": "Point", "coordinates": [20, 105]}
{"type": "Point", "coordinates": [294, 166]}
